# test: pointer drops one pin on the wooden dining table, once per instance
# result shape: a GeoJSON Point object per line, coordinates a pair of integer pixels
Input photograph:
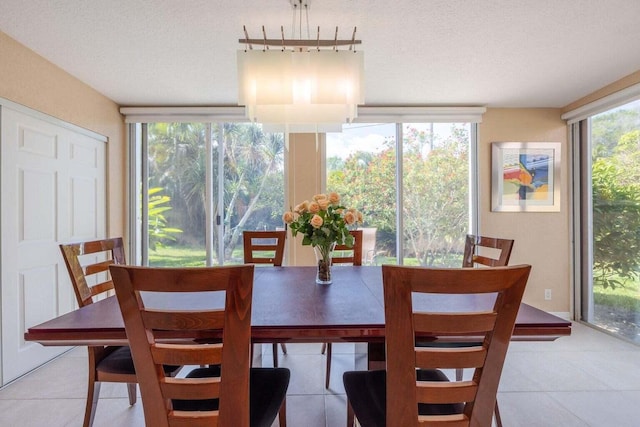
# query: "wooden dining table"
{"type": "Point", "coordinates": [288, 306]}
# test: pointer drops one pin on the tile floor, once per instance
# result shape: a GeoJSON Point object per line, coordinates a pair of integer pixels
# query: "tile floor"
{"type": "Point", "coordinates": [587, 379]}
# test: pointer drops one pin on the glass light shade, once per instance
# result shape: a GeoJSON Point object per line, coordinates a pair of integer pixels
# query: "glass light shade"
{"type": "Point", "coordinates": [302, 90]}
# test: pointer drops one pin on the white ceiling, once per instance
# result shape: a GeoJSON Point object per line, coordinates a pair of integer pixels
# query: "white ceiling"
{"type": "Point", "coordinates": [499, 53]}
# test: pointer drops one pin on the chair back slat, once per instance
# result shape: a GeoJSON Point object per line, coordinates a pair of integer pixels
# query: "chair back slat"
{"type": "Point", "coordinates": [343, 254]}
{"type": "Point", "coordinates": [459, 323]}
{"type": "Point", "coordinates": [98, 267]}
{"type": "Point", "coordinates": [197, 354]}
{"type": "Point", "coordinates": [450, 358]}
{"type": "Point", "coordinates": [88, 266]}
{"type": "Point", "coordinates": [191, 388]}
{"type": "Point", "coordinates": [496, 253]}
{"type": "Point", "coordinates": [455, 420]}
{"type": "Point", "coordinates": [193, 418]}
{"type": "Point", "coordinates": [501, 288]}
{"type": "Point", "coordinates": [195, 321]}
{"type": "Point", "coordinates": [264, 247]}
{"type": "Point", "coordinates": [146, 326]}
{"type": "Point", "coordinates": [440, 392]}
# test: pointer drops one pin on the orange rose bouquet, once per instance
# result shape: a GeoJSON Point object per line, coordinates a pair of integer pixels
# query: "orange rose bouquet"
{"type": "Point", "coordinates": [323, 222]}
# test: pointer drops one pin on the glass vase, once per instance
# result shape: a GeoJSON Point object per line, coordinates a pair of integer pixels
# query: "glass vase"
{"type": "Point", "coordinates": [323, 260]}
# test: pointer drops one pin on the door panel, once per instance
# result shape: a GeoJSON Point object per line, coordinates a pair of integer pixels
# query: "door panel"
{"type": "Point", "coordinates": [53, 191]}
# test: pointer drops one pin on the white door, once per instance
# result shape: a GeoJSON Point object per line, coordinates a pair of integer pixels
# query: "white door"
{"type": "Point", "coordinates": [53, 191]}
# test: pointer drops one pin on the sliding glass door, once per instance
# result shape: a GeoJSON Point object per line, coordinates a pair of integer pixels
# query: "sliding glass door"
{"type": "Point", "coordinates": [200, 186]}
{"type": "Point", "coordinates": [176, 214]}
{"type": "Point", "coordinates": [611, 297]}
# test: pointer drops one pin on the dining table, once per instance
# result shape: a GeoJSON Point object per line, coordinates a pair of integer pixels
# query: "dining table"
{"type": "Point", "coordinates": [288, 306]}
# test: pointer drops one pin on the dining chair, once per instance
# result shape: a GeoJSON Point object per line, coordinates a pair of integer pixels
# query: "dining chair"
{"type": "Point", "coordinates": [88, 267]}
{"type": "Point", "coordinates": [227, 393]}
{"type": "Point", "coordinates": [265, 247]}
{"type": "Point", "coordinates": [415, 373]}
{"type": "Point", "coordinates": [487, 251]}
{"type": "Point", "coordinates": [346, 255]}
{"type": "Point", "coordinates": [343, 254]}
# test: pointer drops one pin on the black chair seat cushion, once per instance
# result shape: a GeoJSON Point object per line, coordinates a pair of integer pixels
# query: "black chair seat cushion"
{"type": "Point", "coordinates": [367, 394]}
{"type": "Point", "coordinates": [267, 390]}
{"type": "Point", "coordinates": [119, 361]}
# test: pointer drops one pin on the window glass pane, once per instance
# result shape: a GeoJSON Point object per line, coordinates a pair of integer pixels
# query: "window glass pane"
{"type": "Point", "coordinates": [436, 193]}
{"type": "Point", "coordinates": [253, 184]}
{"type": "Point", "coordinates": [615, 171]}
{"type": "Point", "coordinates": [361, 167]}
{"type": "Point", "coordinates": [177, 163]}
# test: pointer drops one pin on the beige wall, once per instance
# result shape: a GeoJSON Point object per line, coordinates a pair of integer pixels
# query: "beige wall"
{"type": "Point", "coordinates": [542, 239]}
{"type": "Point", "coordinates": [28, 79]}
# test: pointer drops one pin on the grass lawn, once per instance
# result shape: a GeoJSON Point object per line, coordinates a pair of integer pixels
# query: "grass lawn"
{"type": "Point", "coordinates": [624, 297]}
{"type": "Point", "coordinates": [167, 256]}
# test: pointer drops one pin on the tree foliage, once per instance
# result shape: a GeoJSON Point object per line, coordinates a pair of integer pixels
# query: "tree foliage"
{"type": "Point", "coordinates": [253, 177]}
{"type": "Point", "coordinates": [159, 230]}
{"type": "Point", "coordinates": [435, 199]}
{"type": "Point", "coordinates": [616, 197]}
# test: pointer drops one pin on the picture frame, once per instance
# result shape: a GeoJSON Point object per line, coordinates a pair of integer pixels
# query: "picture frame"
{"type": "Point", "coordinates": [525, 176]}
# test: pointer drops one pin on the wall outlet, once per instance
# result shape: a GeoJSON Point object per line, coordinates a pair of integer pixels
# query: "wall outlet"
{"type": "Point", "coordinates": [547, 294]}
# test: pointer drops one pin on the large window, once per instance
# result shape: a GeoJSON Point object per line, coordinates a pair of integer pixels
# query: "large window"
{"type": "Point", "coordinates": [201, 185]}
{"type": "Point", "coordinates": [433, 195]}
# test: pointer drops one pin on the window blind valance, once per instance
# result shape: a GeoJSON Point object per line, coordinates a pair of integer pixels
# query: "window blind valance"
{"type": "Point", "coordinates": [366, 114]}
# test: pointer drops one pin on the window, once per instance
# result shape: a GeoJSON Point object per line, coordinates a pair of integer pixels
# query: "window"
{"type": "Point", "coordinates": [205, 184]}
{"type": "Point", "coordinates": [434, 194]}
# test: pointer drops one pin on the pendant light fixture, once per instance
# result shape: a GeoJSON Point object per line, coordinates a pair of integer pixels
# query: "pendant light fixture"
{"type": "Point", "coordinates": [300, 85]}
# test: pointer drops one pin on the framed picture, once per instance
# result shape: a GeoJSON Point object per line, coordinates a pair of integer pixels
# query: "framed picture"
{"type": "Point", "coordinates": [525, 177]}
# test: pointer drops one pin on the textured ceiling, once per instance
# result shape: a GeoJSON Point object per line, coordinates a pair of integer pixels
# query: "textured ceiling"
{"type": "Point", "coordinates": [500, 53]}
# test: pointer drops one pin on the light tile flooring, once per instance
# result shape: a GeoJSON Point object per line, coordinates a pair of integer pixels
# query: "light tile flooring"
{"type": "Point", "coordinates": [587, 379]}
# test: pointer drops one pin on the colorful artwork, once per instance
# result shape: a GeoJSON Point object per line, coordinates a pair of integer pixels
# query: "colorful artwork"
{"type": "Point", "coordinates": [524, 176]}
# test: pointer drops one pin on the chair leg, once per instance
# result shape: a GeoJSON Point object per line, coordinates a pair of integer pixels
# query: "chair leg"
{"type": "Point", "coordinates": [131, 389]}
{"type": "Point", "coordinates": [93, 392]}
{"type": "Point", "coordinates": [274, 348]}
{"type": "Point", "coordinates": [459, 373]}
{"type": "Point", "coordinates": [328, 378]}
{"type": "Point", "coordinates": [282, 413]}
{"type": "Point", "coordinates": [497, 415]}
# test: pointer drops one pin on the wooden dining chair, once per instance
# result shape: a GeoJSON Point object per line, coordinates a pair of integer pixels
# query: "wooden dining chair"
{"type": "Point", "coordinates": [88, 266]}
{"type": "Point", "coordinates": [265, 247]}
{"type": "Point", "coordinates": [228, 392]}
{"type": "Point", "coordinates": [486, 251]}
{"type": "Point", "coordinates": [345, 255]}
{"type": "Point", "coordinates": [415, 373]}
